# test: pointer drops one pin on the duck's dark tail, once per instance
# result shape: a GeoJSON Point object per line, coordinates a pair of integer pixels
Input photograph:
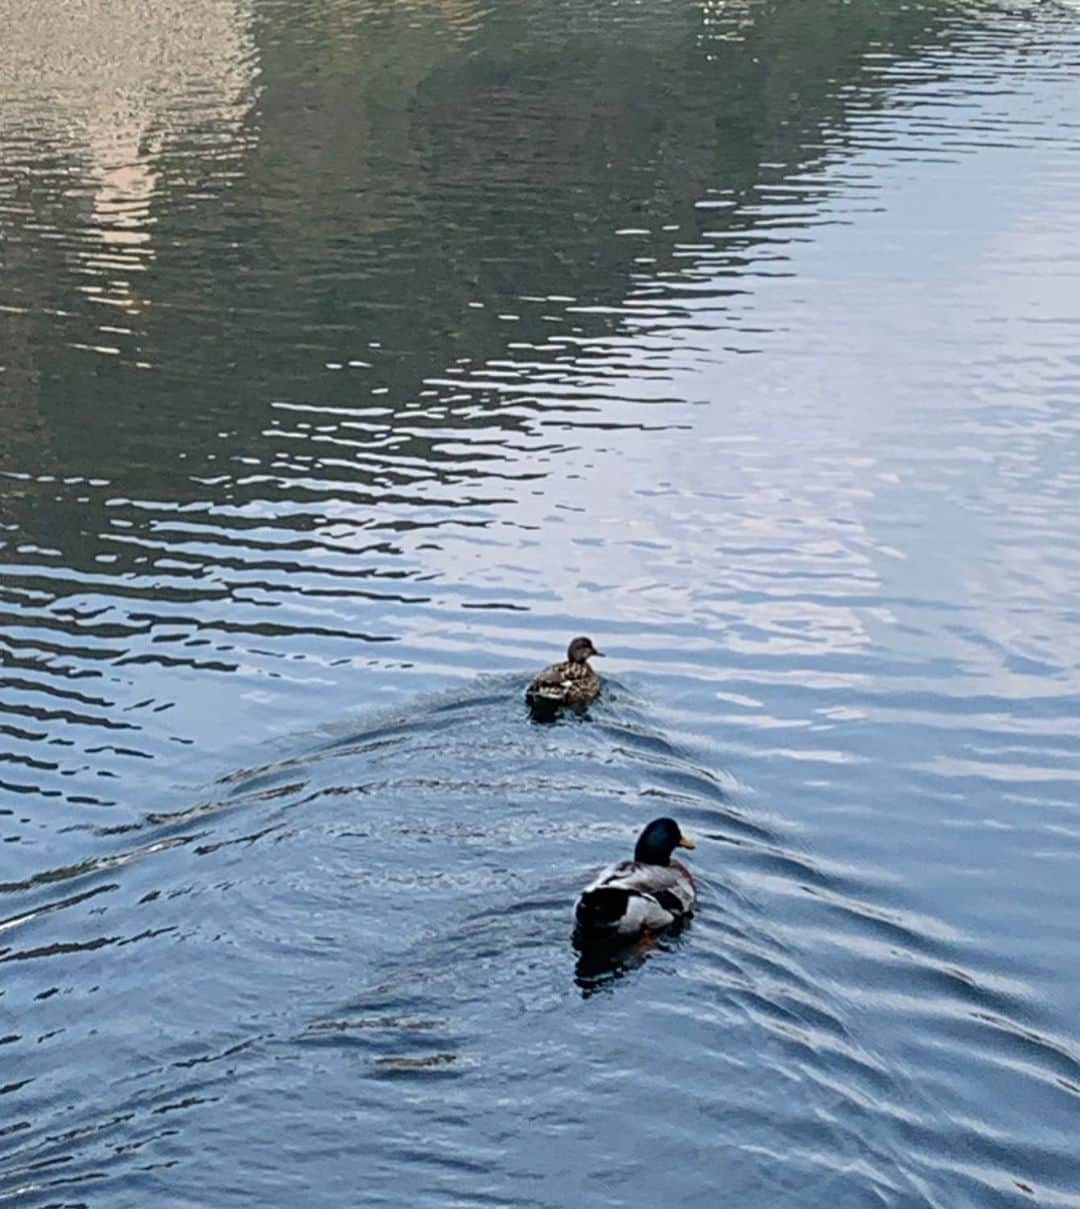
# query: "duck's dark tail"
{"type": "Point", "coordinates": [598, 911]}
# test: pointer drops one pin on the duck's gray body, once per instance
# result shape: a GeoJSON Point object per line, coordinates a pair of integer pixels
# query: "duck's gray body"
{"type": "Point", "coordinates": [636, 898]}
{"type": "Point", "coordinates": [630, 898]}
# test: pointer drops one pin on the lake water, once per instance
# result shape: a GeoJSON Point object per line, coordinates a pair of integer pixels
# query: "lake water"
{"type": "Point", "coordinates": [353, 357]}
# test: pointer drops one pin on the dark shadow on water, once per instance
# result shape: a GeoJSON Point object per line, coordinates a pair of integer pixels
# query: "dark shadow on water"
{"type": "Point", "coordinates": [545, 713]}
{"type": "Point", "coordinates": [600, 966]}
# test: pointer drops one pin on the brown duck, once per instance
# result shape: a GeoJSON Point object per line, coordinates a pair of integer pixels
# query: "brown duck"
{"type": "Point", "coordinates": [570, 683]}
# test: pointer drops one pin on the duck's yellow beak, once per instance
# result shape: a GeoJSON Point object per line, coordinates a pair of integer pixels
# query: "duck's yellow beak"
{"type": "Point", "coordinates": [685, 841]}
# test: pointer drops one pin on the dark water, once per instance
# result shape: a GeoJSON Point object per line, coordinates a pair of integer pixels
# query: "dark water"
{"type": "Point", "coordinates": [356, 356]}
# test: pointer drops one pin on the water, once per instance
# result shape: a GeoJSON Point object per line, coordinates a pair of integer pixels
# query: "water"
{"type": "Point", "coordinates": [355, 357]}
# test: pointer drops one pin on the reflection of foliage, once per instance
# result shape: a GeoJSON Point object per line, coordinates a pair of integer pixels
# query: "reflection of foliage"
{"type": "Point", "coordinates": [414, 173]}
{"type": "Point", "coordinates": [406, 163]}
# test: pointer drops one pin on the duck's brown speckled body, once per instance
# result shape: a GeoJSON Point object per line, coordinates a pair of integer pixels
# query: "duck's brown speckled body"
{"type": "Point", "coordinates": [572, 682]}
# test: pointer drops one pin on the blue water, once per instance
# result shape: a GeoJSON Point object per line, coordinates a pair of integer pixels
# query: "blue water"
{"type": "Point", "coordinates": [356, 357]}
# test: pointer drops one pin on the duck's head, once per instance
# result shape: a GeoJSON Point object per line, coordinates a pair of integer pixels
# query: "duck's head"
{"type": "Point", "coordinates": [581, 649]}
{"type": "Point", "coordinates": [658, 841]}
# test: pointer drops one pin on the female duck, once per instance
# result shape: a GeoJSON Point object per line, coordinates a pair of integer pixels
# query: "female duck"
{"type": "Point", "coordinates": [570, 683]}
{"type": "Point", "coordinates": [633, 899]}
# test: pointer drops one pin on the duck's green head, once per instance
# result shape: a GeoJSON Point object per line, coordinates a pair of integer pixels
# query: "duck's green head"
{"type": "Point", "coordinates": [581, 649]}
{"type": "Point", "coordinates": [658, 841]}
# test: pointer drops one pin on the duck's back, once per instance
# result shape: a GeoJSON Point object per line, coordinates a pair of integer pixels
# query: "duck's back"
{"type": "Point", "coordinates": [565, 682]}
{"type": "Point", "coordinates": [630, 897]}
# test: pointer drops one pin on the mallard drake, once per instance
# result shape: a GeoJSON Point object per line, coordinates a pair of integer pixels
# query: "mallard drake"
{"type": "Point", "coordinates": [572, 682]}
{"type": "Point", "coordinates": [632, 899]}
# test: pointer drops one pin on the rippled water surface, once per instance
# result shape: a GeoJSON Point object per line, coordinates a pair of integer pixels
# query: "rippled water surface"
{"type": "Point", "coordinates": [353, 356]}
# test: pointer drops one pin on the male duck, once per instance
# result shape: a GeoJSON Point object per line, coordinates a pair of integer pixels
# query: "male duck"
{"type": "Point", "coordinates": [570, 683]}
{"type": "Point", "coordinates": [633, 899]}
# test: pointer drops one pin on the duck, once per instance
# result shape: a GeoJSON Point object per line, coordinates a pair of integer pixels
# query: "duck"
{"type": "Point", "coordinates": [572, 682]}
{"type": "Point", "coordinates": [631, 900]}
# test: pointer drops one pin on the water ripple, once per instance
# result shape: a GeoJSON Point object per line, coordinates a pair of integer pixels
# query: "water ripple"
{"type": "Point", "coordinates": [353, 358]}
